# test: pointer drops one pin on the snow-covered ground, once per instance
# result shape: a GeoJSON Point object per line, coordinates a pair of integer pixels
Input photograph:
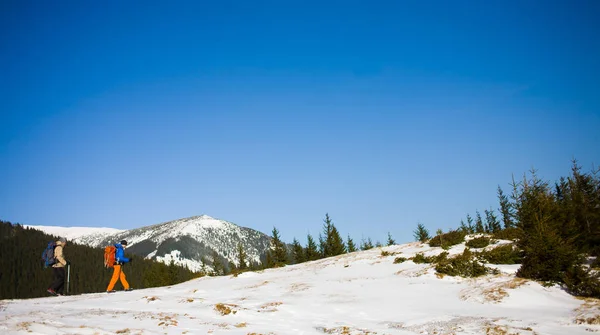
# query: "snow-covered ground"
{"type": "Point", "coordinates": [358, 293]}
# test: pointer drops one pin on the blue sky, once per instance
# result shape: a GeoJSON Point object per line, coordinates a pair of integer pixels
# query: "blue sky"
{"type": "Point", "coordinates": [383, 114]}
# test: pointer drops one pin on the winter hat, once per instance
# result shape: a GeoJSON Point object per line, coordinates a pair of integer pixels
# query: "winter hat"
{"type": "Point", "coordinates": [62, 240]}
{"type": "Point", "coordinates": [123, 242]}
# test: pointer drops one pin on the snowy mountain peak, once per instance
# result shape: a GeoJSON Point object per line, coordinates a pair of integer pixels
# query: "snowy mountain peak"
{"type": "Point", "coordinates": [191, 241]}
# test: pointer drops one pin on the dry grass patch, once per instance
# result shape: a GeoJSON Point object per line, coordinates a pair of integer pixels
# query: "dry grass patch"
{"type": "Point", "coordinates": [489, 290]}
{"type": "Point", "coordinates": [241, 325]}
{"type": "Point", "coordinates": [123, 331]}
{"type": "Point", "coordinates": [225, 309]}
{"type": "Point", "coordinates": [270, 307]}
{"type": "Point", "coordinates": [588, 312]}
{"type": "Point", "coordinates": [23, 325]}
{"type": "Point", "coordinates": [345, 330]}
{"type": "Point", "coordinates": [296, 287]}
{"type": "Point", "coordinates": [150, 299]}
{"type": "Point", "coordinates": [167, 321]}
{"type": "Point", "coordinates": [258, 285]}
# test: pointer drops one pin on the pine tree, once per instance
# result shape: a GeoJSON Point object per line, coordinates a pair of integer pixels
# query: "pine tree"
{"type": "Point", "coordinates": [332, 243]}
{"type": "Point", "coordinates": [298, 252]}
{"type": "Point", "coordinates": [241, 257]}
{"type": "Point", "coordinates": [390, 240]}
{"type": "Point", "coordinates": [506, 209]}
{"type": "Point", "coordinates": [547, 255]}
{"type": "Point", "coordinates": [421, 234]}
{"type": "Point", "coordinates": [217, 265]}
{"type": "Point", "coordinates": [277, 254]}
{"type": "Point", "coordinates": [312, 252]}
{"type": "Point", "coordinates": [470, 225]}
{"type": "Point", "coordinates": [366, 245]}
{"type": "Point", "coordinates": [492, 223]}
{"type": "Point", "coordinates": [463, 227]}
{"type": "Point", "coordinates": [350, 244]}
{"type": "Point", "coordinates": [479, 228]}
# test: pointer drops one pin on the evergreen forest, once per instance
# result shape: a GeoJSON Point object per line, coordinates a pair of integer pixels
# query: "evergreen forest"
{"type": "Point", "coordinates": [22, 274]}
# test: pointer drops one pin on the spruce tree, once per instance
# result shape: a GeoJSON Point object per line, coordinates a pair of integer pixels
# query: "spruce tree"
{"type": "Point", "coordinates": [312, 252]}
{"type": "Point", "coordinates": [350, 244]}
{"type": "Point", "coordinates": [217, 265]}
{"type": "Point", "coordinates": [492, 223]}
{"type": "Point", "coordinates": [241, 257]}
{"type": "Point", "coordinates": [506, 209]}
{"type": "Point", "coordinates": [277, 254]}
{"type": "Point", "coordinates": [332, 243]}
{"type": "Point", "coordinates": [470, 225]}
{"type": "Point", "coordinates": [463, 227]}
{"type": "Point", "coordinates": [421, 234]}
{"type": "Point", "coordinates": [298, 252]}
{"type": "Point", "coordinates": [366, 245]}
{"type": "Point", "coordinates": [479, 228]}
{"type": "Point", "coordinates": [547, 255]}
{"type": "Point", "coordinates": [390, 240]}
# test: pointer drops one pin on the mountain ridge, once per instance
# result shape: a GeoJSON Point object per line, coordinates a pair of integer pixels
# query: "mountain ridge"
{"type": "Point", "coordinates": [191, 241]}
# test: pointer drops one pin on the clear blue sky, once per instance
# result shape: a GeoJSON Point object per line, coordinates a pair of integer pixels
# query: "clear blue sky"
{"type": "Point", "coordinates": [381, 113]}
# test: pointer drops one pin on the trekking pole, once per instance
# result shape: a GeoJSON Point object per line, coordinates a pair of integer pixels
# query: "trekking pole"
{"type": "Point", "coordinates": [68, 277]}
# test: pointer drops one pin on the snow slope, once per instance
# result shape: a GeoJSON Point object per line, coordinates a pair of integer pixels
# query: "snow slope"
{"type": "Point", "coordinates": [358, 293]}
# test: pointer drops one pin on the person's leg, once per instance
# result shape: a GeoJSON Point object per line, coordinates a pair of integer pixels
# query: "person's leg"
{"type": "Point", "coordinates": [59, 279]}
{"type": "Point", "coordinates": [61, 283]}
{"type": "Point", "coordinates": [124, 281]}
{"type": "Point", "coordinates": [115, 277]}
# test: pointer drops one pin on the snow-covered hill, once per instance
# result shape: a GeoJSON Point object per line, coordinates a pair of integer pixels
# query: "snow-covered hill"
{"type": "Point", "coordinates": [185, 241]}
{"type": "Point", "coordinates": [358, 293]}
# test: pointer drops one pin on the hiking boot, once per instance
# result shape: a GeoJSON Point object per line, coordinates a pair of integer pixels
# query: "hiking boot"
{"type": "Point", "coordinates": [111, 291]}
{"type": "Point", "coordinates": [51, 291]}
{"type": "Point", "coordinates": [129, 289]}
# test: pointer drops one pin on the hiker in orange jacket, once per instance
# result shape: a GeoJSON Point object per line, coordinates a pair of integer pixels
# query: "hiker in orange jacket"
{"type": "Point", "coordinates": [58, 268]}
{"type": "Point", "coordinates": [118, 273]}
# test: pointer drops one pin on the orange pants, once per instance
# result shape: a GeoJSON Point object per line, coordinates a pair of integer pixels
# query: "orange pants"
{"type": "Point", "coordinates": [118, 274]}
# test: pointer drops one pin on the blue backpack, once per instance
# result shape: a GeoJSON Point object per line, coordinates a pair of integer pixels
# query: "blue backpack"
{"type": "Point", "coordinates": [48, 258]}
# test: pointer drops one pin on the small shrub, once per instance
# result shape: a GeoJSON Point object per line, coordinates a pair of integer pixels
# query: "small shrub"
{"type": "Point", "coordinates": [420, 259]}
{"type": "Point", "coordinates": [596, 263]}
{"type": "Point", "coordinates": [478, 242]}
{"type": "Point", "coordinates": [507, 234]}
{"type": "Point", "coordinates": [464, 265]}
{"type": "Point", "coordinates": [505, 254]}
{"type": "Point", "coordinates": [582, 282]}
{"type": "Point", "coordinates": [448, 239]}
{"type": "Point", "coordinates": [385, 253]}
{"type": "Point", "coordinates": [399, 260]}
{"type": "Point", "coordinates": [547, 258]}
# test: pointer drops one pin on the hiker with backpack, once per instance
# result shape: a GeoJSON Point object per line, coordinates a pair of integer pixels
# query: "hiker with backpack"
{"type": "Point", "coordinates": [58, 268]}
{"type": "Point", "coordinates": [114, 256]}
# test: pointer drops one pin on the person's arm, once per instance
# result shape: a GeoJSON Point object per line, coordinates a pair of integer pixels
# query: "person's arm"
{"type": "Point", "coordinates": [121, 256]}
{"type": "Point", "coordinates": [58, 254]}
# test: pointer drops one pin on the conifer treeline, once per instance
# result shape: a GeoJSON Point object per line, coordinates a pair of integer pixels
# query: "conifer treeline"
{"type": "Point", "coordinates": [556, 227]}
{"type": "Point", "coordinates": [330, 244]}
{"type": "Point", "coordinates": [23, 276]}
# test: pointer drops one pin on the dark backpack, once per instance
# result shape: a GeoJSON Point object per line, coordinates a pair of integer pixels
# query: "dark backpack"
{"type": "Point", "coordinates": [48, 258]}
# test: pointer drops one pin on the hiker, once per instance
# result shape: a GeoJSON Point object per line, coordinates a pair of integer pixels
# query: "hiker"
{"type": "Point", "coordinates": [118, 273]}
{"type": "Point", "coordinates": [58, 268]}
